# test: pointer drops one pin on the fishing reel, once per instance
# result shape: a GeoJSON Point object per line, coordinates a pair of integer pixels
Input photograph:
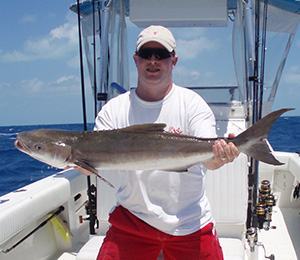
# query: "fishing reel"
{"type": "Point", "coordinates": [264, 207]}
{"type": "Point", "coordinates": [263, 212]}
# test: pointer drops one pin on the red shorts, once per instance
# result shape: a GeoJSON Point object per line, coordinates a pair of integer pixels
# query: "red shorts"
{"type": "Point", "coordinates": [130, 238]}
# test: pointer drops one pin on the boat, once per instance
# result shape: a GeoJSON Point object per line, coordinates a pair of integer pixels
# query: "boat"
{"type": "Point", "coordinates": [65, 216]}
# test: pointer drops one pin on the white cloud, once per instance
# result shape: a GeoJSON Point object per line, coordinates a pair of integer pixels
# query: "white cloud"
{"type": "Point", "coordinates": [65, 85]}
{"type": "Point", "coordinates": [195, 74]}
{"type": "Point", "coordinates": [28, 18]}
{"type": "Point", "coordinates": [4, 85]}
{"type": "Point", "coordinates": [190, 49]}
{"type": "Point", "coordinates": [64, 79]}
{"type": "Point", "coordinates": [15, 56]}
{"type": "Point", "coordinates": [32, 85]}
{"type": "Point", "coordinates": [68, 85]}
{"type": "Point", "coordinates": [188, 77]}
{"type": "Point", "coordinates": [61, 42]}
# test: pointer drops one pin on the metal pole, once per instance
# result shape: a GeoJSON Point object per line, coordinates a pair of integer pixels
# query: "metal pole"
{"type": "Point", "coordinates": [81, 70]}
{"type": "Point", "coordinates": [94, 53]}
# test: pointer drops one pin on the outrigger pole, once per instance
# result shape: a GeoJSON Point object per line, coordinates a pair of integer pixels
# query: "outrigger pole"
{"type": "Point", "coordinates": [91, 189]}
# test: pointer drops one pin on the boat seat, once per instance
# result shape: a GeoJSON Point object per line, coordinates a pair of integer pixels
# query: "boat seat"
{"type": "Point", "coordinates": [227, 192]}
{"type": "Point", "coordinates": [91, 249]}
{"type": "Point", "coordinates": [67, 256]}
{"type": "Point", "coordinates": [233, 249]}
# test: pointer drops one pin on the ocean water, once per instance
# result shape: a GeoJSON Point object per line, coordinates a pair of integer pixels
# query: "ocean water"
{"type": "Point", "coordinates": [18, 169]}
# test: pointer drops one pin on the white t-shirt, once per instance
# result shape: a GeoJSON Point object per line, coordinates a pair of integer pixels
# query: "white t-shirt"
{"type": "Point", "coordinates": [173, 202]}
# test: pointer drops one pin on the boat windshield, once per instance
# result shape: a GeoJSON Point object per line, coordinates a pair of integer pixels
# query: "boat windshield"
{"type": "Point", "coordinates": [224, 61]}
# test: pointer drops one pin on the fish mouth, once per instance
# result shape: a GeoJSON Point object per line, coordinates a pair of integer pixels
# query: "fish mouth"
{"type": "Point", "coordinates": [21, 146]}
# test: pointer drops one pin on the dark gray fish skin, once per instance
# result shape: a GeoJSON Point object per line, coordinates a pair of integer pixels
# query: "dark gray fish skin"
{"type": "Point", "coordinates": [139, 147]}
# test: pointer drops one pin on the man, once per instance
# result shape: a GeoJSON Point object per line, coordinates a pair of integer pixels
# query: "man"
{"type": "Point", "coordinates": [158, 210]}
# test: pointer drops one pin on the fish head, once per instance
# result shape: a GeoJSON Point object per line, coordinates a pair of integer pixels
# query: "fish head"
{"type": "Point", "coordinates": [45, 146]}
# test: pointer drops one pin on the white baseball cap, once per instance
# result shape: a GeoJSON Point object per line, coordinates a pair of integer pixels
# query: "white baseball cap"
{"type": "Point", "coordinates": [156, 33]}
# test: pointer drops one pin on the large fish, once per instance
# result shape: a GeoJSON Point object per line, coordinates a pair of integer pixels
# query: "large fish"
{"type": "Point", "coordinates": [139, 147]}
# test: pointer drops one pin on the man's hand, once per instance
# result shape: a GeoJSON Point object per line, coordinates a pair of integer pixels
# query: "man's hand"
{"type": "Point", "coordinates": [223, 153]}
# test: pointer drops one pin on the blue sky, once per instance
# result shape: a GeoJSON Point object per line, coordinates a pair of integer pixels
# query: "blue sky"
{"type": "Point", "coordinates": [39, 64]}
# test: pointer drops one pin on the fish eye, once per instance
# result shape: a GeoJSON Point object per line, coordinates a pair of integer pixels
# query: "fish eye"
{"type": "Point", "coordinates": [38, 147]}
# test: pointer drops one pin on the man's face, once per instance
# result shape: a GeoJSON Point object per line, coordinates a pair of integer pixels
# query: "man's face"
{"type": "Point", "coordinates": [153, 70]}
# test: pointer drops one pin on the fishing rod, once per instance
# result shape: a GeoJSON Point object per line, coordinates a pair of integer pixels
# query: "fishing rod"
{"type": "Point", "coordinates": [263, 57]}
{"type": "Point", "coordinates": [257, 106]}
{"type": "Point", "coordinates": [60, 209]}
{"type": "Point", "coordinates": [253, 169]}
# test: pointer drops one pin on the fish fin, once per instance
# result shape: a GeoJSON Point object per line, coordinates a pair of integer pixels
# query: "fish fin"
{"type": "Point", "coordinates": [91, 169]}
{"type": "Point", "coordinates": [145, 128]}
{"type": "Point", "coordinates": [260, 149]}
{"type": "Point", "coordinates": [86, 166]}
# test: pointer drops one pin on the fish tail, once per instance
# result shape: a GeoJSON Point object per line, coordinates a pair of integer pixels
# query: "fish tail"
{"type": "Point", "coordinates": [259, 147]}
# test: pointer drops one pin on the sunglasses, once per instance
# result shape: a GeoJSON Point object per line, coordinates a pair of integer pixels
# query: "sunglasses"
{"type": "Point", "coordinates": [159, 53]}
